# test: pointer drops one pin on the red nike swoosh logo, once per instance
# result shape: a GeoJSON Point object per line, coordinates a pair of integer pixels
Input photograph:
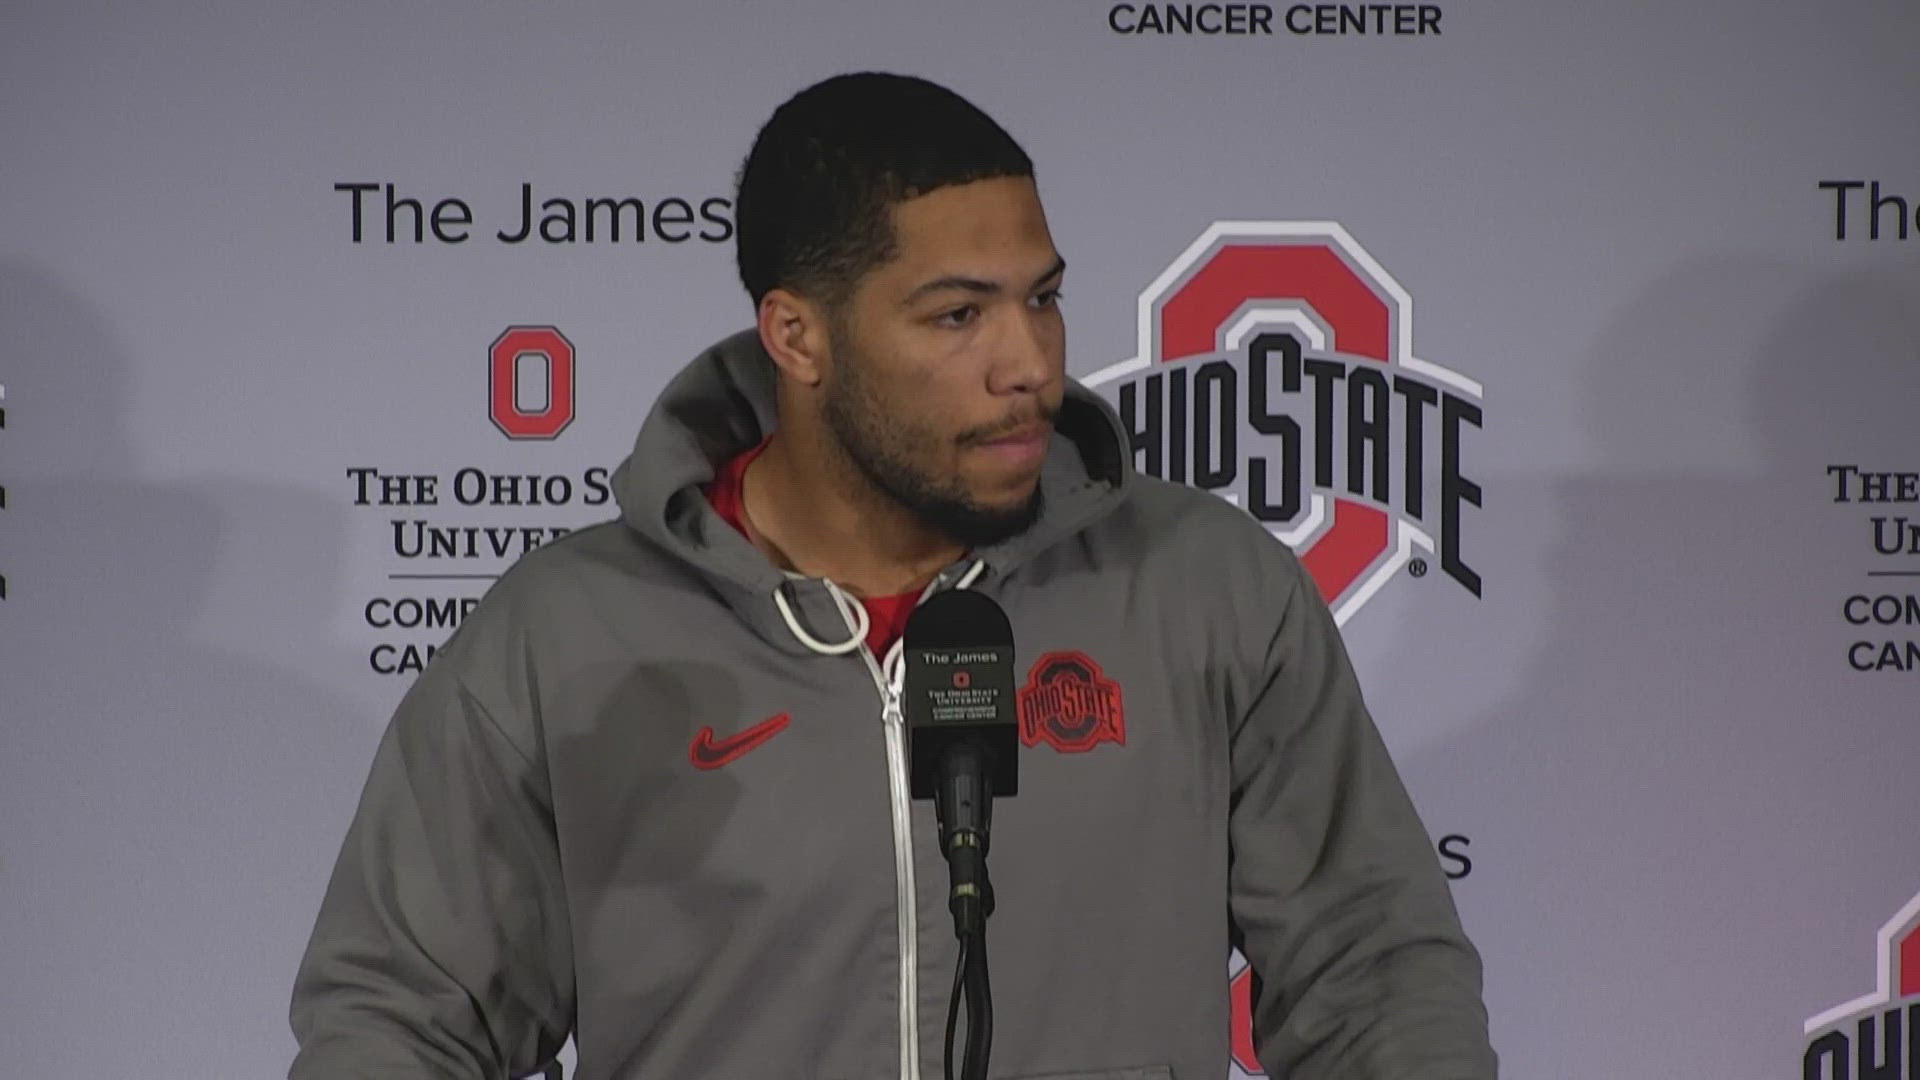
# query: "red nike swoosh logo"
{"type": "Point", "coordinates": [707, 753]}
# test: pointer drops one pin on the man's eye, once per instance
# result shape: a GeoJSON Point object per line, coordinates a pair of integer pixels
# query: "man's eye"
{"type": "Point", "coordinates": [960, 316]}
{"type": "Point", "coordinates": [1049, 298]}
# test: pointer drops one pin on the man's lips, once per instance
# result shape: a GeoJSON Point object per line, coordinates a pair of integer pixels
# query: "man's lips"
{"type": "Point", "coordinates": [1022, 448]}
{"type": "Point", "coordinates": [1025, 433]}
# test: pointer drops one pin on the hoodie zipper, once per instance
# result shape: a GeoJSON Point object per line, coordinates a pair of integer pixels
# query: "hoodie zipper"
{"type": "Point", "coordinates": [892, 717]}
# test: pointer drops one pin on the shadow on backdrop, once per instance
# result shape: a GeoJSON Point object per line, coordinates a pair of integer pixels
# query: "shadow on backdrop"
{"type": "Point", "coordinates": [1694, 788]}
{"type": "Point", "coordinates": [169, 808]}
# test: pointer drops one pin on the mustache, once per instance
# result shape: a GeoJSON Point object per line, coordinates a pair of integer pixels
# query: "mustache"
{"type": "Point", "coordinates": [1043, 413]}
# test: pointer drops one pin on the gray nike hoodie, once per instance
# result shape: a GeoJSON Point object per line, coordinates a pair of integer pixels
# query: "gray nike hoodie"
{"type": "Point", "coordinates": [652, 794]}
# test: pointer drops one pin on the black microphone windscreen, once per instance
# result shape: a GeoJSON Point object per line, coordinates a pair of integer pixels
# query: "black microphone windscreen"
{"type": "Point", "coordinates": [958, 650]}
{"type": "Point", "coordinates": [956, 618]}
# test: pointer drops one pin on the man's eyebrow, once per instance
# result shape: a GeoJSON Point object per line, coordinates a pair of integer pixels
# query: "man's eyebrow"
{"type": "Point", "coordinates": [1059, 267]}
{"type": "Point", "coordinates": [978, 286]}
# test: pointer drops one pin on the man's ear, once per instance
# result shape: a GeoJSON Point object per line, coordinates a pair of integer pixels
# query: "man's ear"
{"type": "Point", "coordinates": [793, 330]}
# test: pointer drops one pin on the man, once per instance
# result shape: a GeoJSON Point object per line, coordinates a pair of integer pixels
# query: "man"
{"type": "Point", "coordinates": [653, 793]}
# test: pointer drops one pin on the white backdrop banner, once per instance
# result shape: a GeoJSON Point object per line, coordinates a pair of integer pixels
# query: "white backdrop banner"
{"type": "Point", "coordinates": [1576, 347]}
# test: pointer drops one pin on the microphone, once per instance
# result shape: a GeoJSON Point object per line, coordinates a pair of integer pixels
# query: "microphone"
{"type": "Point", "coordinates": [963, 749]}
{"type": "Point", "coordinates": [962, 733]}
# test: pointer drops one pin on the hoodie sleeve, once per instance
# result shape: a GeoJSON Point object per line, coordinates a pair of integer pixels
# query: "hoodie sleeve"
{"type": "Point", "coordinates": [1335, 892]}
{"type": "Point", "coordinates": [442, 947]}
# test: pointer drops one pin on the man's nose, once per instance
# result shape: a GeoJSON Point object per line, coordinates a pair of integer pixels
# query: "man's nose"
{"type": "Point", "coordinates": [1027, 356]}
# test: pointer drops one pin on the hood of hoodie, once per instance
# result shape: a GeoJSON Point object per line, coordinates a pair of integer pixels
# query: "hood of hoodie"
{"type": "Point", "coordinates": [724, 402]}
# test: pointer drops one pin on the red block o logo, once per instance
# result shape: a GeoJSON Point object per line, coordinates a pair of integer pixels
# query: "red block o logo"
{"type": "Point", "coordinates": [1241, 1023]}
{"type": "Point", "coordinates": [1314, 270]}
{"type": "Point", "coordinates": [504, 356]}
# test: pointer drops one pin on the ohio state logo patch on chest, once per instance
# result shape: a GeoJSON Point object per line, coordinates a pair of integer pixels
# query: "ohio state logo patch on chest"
{"type": "Point", "coordinates": [1068, 703]}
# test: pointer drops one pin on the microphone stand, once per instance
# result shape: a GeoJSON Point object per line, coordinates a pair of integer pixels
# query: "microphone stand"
{"type": "Point", "coordinates": [964, 805]}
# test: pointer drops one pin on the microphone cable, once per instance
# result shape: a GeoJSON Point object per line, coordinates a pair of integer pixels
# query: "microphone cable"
{"type": "Point", "coordinates": [953, 1000]}
{"type": "Point", "coordinates": [971, 983]}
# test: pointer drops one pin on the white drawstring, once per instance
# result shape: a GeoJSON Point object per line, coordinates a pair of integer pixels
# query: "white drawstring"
{"type": "Point", "coordinates": [858, 618]}
{"type": "Point", "coordinates": [893, 665]}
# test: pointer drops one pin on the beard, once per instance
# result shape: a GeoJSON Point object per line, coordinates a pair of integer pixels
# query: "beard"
{"type": "Point", "coordinates": [880, 447]}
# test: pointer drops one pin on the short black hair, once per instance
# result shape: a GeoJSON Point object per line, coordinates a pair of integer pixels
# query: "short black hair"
{"type": "Point", "coordinates": [815, 195]}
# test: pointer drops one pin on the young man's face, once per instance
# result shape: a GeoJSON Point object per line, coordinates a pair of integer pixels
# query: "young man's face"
{"type": "Point", "coordinates": [949, 361]}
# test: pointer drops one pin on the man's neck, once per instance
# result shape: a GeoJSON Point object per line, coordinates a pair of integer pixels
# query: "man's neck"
{"type": "Point", "coordinates": [831, 523]}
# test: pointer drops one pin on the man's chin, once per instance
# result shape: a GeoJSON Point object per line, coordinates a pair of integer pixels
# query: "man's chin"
{"type": "Point", "coordinates": [976, 526]}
